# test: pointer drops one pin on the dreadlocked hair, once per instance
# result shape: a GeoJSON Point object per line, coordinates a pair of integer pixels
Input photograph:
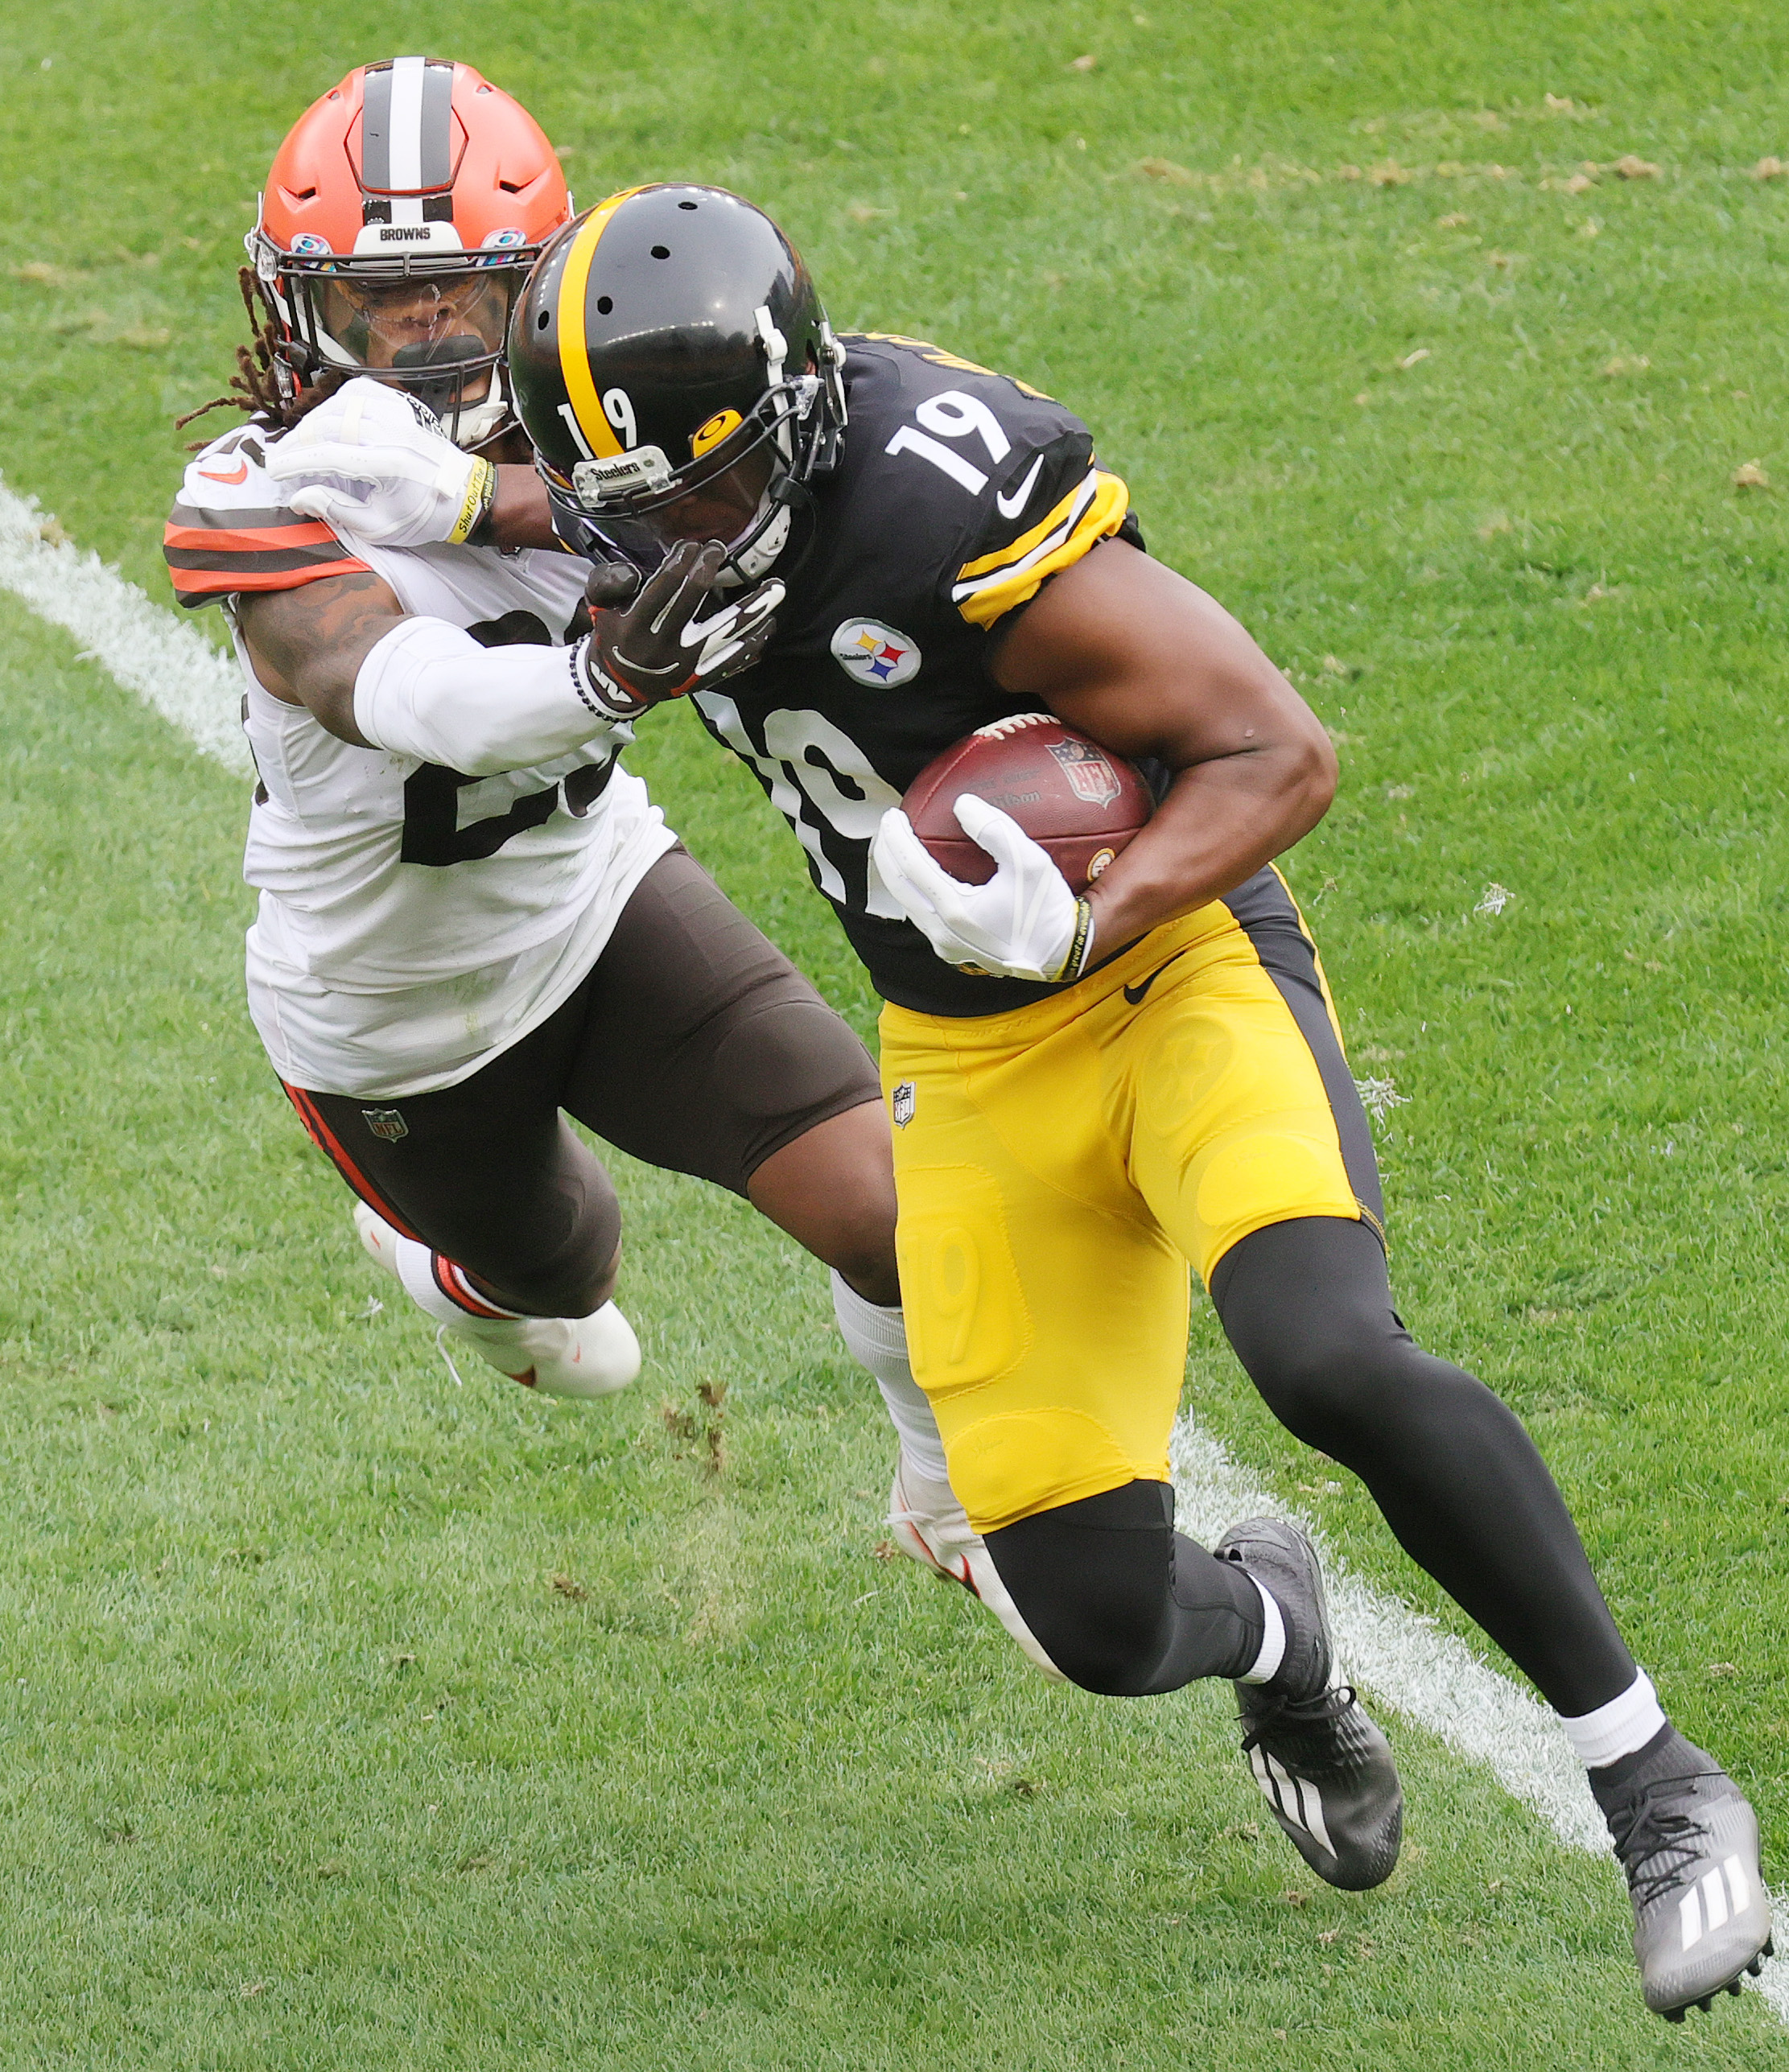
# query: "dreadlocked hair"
{"type": "Point", "coordinates": [262, 384]}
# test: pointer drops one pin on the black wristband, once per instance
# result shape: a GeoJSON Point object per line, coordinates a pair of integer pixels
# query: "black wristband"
{"type": "Point", "coordinates": [598, 691]}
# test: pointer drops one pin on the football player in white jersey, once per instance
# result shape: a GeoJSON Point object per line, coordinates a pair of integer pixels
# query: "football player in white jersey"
{"type": "Point", "coordinates": [471, 916]}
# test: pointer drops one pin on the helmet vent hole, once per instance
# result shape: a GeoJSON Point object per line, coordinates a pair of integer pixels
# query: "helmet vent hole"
{"type": "Point", "coordinates": [543, 319]}
{"type": "Point", "coordinates": [661, 251]}
{"type": "Point", "coordinates": [686, 204]}
{"type": "Point", "coordinates": [511, 186]}
{"type": "Point", "coordinates": [604, 304]}
{"type": "Point", "coordinates": [306, 194]}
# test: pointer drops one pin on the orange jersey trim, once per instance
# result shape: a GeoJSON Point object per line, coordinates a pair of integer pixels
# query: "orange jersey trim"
{"type": "Point", "coordinates": [251, 539]}
{"type": "Point", "coordinates": [220, 582]}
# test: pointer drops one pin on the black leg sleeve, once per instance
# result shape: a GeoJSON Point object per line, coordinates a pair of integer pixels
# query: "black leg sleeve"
{"type": "Point", "coordinates": [1307, 1307]}
{"type": "Point", "coordinates": [1122, 1603]}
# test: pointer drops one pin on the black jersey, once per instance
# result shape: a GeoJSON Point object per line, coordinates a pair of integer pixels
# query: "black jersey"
{"type": "Point", "coordinates": [958, 493]}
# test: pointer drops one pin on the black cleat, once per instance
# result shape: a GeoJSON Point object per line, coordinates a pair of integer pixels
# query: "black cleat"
{"type": "Point", "coordinates": [1688, 1843]}
{"type": "Point", "coordinates": [1324, 1768]}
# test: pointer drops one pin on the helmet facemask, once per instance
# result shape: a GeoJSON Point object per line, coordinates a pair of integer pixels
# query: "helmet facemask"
{"type": "Point", "coordinates": [436, 329]}
{"type": "Point", "coordinates": [740, 487]}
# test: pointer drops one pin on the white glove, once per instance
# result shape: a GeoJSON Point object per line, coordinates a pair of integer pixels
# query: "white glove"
{"type": "Point", "coordinates": [1024, 923]}
{"type": "Point", "coordinates": [374, 464]}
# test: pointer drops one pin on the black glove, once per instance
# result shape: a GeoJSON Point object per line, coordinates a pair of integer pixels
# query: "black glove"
{"type": "Point", "coordinates": [638, 653]}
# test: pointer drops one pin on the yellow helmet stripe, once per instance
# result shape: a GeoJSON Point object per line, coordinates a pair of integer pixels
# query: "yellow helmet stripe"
{"type": "Point", "coordinates": [586, 406]}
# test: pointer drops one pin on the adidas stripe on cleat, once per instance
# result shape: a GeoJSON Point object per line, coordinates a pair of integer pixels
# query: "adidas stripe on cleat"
{"type": "Point", "coordinates": [1322, 1766]}
{"type": "Point", "coordinates": [1688, 1841]}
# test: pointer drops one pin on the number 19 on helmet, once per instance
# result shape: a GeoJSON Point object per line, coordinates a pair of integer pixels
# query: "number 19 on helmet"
{"type": "Point", "coordinates": [676, 374]}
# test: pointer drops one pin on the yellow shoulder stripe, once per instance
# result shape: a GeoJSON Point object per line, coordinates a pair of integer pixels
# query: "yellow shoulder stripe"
{"type": "Point", "coordinates": [938, 357]}
{"type": "Point", "coordinates": [574, 350]}
{"type": "Point", "coordinates": [987, 589]}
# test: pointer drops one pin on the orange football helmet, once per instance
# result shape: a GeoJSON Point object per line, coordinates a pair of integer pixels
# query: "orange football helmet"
{"type": "Point", "coordinates": [400, 217]}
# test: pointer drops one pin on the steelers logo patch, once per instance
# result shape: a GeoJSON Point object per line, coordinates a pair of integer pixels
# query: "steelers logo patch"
{"type": "Point", "coordinates": [872, 654]}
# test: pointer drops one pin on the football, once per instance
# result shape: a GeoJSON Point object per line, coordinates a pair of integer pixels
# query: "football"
{"type": "Point", "coordinates": [1082, 803]}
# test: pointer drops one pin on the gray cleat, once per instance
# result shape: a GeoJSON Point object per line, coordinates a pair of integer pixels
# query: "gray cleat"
{"type": "Point", "coordinates": [1324, 1768]}
{"type": "Point", "coordinates": [1688, 1843]}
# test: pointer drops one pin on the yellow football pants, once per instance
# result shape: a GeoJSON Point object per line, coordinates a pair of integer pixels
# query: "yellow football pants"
{"type": "Point", "coordinates": [1058, 1166]}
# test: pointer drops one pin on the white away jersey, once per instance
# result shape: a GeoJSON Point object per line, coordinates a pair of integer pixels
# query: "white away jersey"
{"type": "Point", "coordinates": [414, 921]}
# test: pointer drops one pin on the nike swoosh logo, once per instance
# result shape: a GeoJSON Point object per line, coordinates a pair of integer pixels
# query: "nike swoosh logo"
{"type": "Point", "coordinates": [1135, 993]}
{"type": "Point", "coordinates": [1011, 506]}
{"type": "Point", "coordinates": [240, 474]}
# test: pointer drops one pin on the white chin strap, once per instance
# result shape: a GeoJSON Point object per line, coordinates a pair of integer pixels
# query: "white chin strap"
{"type": "Point", "coordinates": [760, 556]}
{"type": "Point", "coordinates": [481, 420]}
{"type": "Point", "coordinates": [476, 422]}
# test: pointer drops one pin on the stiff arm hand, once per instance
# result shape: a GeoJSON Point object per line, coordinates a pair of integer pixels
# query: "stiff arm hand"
{"type": "Point", "coordinates": [650, 641]}
{"type": "Point", "coordinates": [374, 465]}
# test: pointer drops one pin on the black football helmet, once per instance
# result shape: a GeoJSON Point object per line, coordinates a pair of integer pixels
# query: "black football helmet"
{"type": "Point", "coordinates": [675, 371]}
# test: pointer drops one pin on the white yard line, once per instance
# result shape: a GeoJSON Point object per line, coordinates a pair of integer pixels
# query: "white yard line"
{"type": "Point", "coordinates": [1426, 1674]}
{"type": "Point", "coordinates": [1433, 1678]}
{"type": "Point", "coordinates": [166, 664]}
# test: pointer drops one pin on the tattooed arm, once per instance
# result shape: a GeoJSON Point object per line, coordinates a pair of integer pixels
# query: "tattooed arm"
{"type": "Point", "coordinates": [308, 644]}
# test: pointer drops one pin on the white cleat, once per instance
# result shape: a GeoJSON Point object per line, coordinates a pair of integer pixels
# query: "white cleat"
{"type": "Point", "coordinates": [377, 1236]}
{"type": "Point", "coordinates": [560, 1356]}
{"type": "Point", "coordinates": [931, 1526]}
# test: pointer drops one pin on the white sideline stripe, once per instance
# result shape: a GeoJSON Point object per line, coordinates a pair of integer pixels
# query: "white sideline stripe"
{"type": "Point", "coordinates": [168, 665]}
{"type": "Point", "coordinates": [1428, 1675]}
{"type": "Point", "coordinates": [1432, 1677]}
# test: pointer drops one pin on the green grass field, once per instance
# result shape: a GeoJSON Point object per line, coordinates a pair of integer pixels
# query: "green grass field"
{"type": "Point", "coordinates": [352, 1720]}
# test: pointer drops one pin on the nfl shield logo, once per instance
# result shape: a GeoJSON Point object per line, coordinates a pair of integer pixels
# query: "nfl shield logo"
{"type": "Point", "coordinates": [386, 1123]}
{"type": "Point", "coordinates": [1093, 777]}
{"type": "Point", "coordinates": [901, 1104]}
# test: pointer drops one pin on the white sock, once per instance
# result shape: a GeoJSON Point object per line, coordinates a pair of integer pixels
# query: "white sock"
{"type": "Point", "coordinates": [1619, 1728]}
{"type": "Point", "coordinates": [1273, 1641]}
{"type": "Point", "coordinates": [417, 1269]}
{"type": "Point", "coordinates": [877, 1338]}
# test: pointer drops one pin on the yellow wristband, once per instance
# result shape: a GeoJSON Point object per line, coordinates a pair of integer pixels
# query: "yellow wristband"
{"type": "Point", "coordinates": [1080, 946]}
{"type": "Point", "coordinates": [480, 494]}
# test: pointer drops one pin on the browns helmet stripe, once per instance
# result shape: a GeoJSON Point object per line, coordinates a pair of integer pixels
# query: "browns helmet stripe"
{"type": "Point", "coordinates": [375, 131]}
{"type": "Point", "coordinates": [435, 126]}
{"type": "Point", "coordinates": [407, 127]}
{"type": "Point", "coordinates": [597, 433]}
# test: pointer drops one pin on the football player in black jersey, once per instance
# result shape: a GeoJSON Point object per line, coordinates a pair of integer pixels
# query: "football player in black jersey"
{"type": "Point", "coordinates": [1086, 1095]}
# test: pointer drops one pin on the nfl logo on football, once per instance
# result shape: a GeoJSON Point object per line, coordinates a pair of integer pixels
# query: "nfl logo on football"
{"type": "Point", "coordinates": [1093, 777]}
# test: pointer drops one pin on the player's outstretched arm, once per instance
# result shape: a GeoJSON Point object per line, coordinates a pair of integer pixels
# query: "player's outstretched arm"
{"type": "Point", "coordinates": [308, 644]}
{"type": "Point", "coordinates": [519, 515]}
{"type": "Point", "coordinates": [344, 647]}
{"type": "Point", "coordinates": [1145, 662]}
{"type": "Point", "coordinates": [374, 465]}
